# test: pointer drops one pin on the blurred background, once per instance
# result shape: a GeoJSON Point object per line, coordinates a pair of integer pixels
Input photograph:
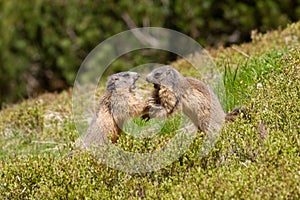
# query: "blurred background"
{"type": "Point", "coordinates": [43, 42]}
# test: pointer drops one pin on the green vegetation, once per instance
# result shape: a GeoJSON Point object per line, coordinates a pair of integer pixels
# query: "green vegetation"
{"type": "Point", "coordinates": [255, 157]}
{"type": "Point", "coordinates": [43, 43]}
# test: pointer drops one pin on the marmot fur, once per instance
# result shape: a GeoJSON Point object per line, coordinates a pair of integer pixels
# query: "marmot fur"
{"type": "Point", "coordinates": [118, 104]}
{"type": "Point", "coordinates": [173, 92]}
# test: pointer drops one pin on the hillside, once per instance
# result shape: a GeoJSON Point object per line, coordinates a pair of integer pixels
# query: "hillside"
{"type": "Point", "coordinates": [256, 157]}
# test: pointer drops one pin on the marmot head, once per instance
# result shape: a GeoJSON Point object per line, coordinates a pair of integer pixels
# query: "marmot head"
{"type": "Point", "coordinates": [165, 76]}
{"type": "Point", "coordinates": [122, 80]}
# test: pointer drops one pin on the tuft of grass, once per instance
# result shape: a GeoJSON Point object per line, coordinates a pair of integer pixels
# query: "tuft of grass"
{"type": "Point", "coordinates": [239, 82]}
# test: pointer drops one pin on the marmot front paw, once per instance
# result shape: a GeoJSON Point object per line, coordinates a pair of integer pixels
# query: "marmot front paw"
{"type": "Point", "coordinates": [157, 111]}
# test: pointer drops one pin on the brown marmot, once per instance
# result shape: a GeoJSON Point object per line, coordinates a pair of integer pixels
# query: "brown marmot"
{"type": "Point", "coordinates": [173, 92]}
{"type": "Point", "coordinates": [118, 104]}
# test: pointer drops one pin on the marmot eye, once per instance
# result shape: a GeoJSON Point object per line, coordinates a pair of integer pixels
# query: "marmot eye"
{"type": "Point", "coordinates": [157, 74]}
{"type": "Point", "coordinates": [115, 78]}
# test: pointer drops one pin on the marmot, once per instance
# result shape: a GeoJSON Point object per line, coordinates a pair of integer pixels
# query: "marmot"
{"type": "Point", "coordinates": [174, 92]}
{"type": "Point", "coordinates": [118, 104]}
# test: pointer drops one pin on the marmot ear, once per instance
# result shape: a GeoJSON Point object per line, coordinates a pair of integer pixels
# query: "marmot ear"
{"type": "Point", "coordinates": [110, 86]}
{"type": "Point", "coordinates": [111, 83]}
{"type": "Point", "coordinates": [169, 71]}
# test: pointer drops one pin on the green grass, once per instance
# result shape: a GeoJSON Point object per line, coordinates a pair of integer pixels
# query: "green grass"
{"type": "Point", "coordinates": [247, 76]}
{"type": "Point", "coordinates": [255, 157]}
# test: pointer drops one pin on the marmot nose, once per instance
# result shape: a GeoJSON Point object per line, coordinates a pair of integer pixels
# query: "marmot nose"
{"type": "Point", "coordinates": [148, 78]}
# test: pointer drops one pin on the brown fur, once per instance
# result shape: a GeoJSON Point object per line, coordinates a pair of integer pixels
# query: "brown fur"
{"type": "Point", "coordinates": [173, 92]}
{"type": "Point", "coordinates": [231, 116]}
{"type": "Point", "coordinates": [118, 104]}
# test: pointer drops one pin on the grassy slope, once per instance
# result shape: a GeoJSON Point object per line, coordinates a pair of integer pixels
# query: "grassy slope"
{"type": "Point", "coordinates": [257, 156]}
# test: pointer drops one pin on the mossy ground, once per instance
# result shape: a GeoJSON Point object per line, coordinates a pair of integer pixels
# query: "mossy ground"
{"type": "Point", "coordinates": [255, 157]}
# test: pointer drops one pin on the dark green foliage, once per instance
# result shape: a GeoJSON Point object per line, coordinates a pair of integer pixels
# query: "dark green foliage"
{"type": "Point", "coordinates": [44, 42]}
